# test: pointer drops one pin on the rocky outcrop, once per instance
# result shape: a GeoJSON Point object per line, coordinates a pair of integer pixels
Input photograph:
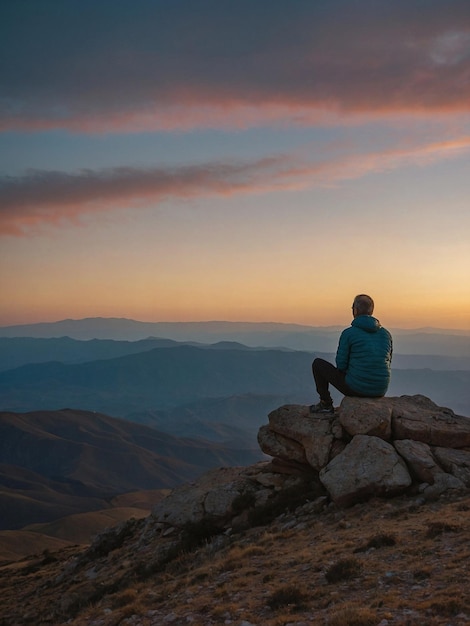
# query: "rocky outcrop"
{"type": "Point", "coordinates": [419, 419]}
{"type": "Point", "coordinates": [367, 448]}
{"type": "Point", "coordinates": [374, 446]}
{"type": "Point", "coordinates": [232, 497]}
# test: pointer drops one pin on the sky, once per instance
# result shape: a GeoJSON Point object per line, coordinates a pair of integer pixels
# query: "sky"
{"type": "Point", "coordinates": [261, 160]}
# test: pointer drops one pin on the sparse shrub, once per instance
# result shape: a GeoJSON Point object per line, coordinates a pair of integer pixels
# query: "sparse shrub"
{"type": "Point", "coordinates": [421, 574]}
{"type": "Point", "coordinates": [47, 557]}
{"type": "Point", "coordinates": [237, 556]}
{"type": "Point", "coordinates": [111, 539]}
{"type": "Point", "coordinates": [144, 570]}
{"type": "Point", "coordinates": [252, 551]}
{"type": "Point", "coordinates": [378, 541]}
{"type": "Point", "coordinates": [289, 595]}
{"type": "Point", "coordinates": [286, 500]}
{"type": "Point", "coordinates": [127, 612]}
{"type": "Point", "coordinates": [447, 607]}
{"type": "Point", "coordinates": [192, 536]}
{"type": "Point", "coordinates": [444, 605]}
{"type": "Point", "coordinates": [244, 501]}
{"type": "Point", "coordinates": [286, 618]}
{"type": "Point", "coordinates": [219, 612]}
{"type": "Point", "coordinates": [343, 570]}
{"type": "Point", "coordinates": [435, 529]}
{"type": "Point", "coordinates": [32, 568]}
{"type": "Point", "coordinates": [195, 534]}
{"type": "Point", "coordinates": [122, 599]}
{"type": "Point", "coordinates": [353, 616]}
{"type": "Point", "coordinates": [262, 515]}
{"type": "Point", "coordinates": [199, 577]}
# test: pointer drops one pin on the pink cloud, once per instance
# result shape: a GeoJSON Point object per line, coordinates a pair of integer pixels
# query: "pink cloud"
{"type": "Point", "coordinates": [235, 64]}
{"type": "Point", "coordinates": [44, 198]}
{"type": "Point", "coordinates": [49, 197]}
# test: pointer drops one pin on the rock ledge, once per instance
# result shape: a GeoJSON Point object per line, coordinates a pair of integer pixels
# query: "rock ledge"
{"type": "Point", "coordinates": [368, 448]}
{"type": "Point", "coordinates": [374, 446]}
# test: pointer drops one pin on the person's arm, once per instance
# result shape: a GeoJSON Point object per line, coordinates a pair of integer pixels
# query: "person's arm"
{"type": "Point", "coordinates": [342, 353]}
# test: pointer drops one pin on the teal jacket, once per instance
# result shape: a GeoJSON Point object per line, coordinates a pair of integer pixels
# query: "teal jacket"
{"type": "Point", "coordinates": [365, 354]}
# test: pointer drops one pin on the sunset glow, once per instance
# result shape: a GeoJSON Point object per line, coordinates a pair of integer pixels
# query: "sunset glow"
{"type": "Point", "coordinates": [173, 164]}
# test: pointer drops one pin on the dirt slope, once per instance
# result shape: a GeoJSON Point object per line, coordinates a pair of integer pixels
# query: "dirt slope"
{"type": "Point", "coordinates": [401, 561]}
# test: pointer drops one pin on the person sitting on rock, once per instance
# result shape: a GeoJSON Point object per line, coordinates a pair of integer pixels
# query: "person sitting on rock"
{"type": "Point", "coordinates": [363, 359]}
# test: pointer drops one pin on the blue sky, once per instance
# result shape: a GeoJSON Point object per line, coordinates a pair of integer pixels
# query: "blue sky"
{"type": "Point", "coordinates": [260, 161]}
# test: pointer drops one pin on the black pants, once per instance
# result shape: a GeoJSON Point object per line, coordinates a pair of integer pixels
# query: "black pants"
{"type": "Point", "coordinates": [325, 374]}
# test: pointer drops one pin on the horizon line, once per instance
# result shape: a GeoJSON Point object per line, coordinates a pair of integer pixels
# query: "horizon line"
{"type": "Point", "coordinates": [227, 322]}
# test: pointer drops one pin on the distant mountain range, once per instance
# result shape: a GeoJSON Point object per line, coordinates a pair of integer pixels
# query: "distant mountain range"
{"type": "Point", "coordinates": [157, 378]}
{"type": "Point", "coordinates": [17, 351]}
{"type": "Point", "coordinates": [429, 341]}
{"type": "Point", "coordinates": [189, 378]}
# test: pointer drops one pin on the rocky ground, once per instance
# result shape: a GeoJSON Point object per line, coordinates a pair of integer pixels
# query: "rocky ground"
{"type": "Point", "coordinates": [395, 561]}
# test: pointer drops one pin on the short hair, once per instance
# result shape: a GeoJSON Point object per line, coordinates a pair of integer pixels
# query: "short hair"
{"type": "Point", "coordinates": [363, 304]}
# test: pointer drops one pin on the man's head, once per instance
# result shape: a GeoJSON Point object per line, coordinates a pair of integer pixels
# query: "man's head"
{"type": "Point", "coordinates": [362, 305]}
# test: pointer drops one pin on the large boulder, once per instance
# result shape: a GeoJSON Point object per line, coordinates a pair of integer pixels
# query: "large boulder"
{"type": "Point", "coordinates": [187, 502]}
{"type": "Point", "coordinates": [418, 418]}
{"type": "Point", "coordinates": [419, 459]}
{"type": "Point", "coordinates": [316, 435]}
{"type": "Point", "coordinates": [280, 447]}
{"type": "Point", "coordinates": [367, 467]}
{"type": "Point", "coordinates": [423, 446]}
{"type": "Point", "coordinates": [455, 462]}
{"type": "Point", "coordinates": [367, 416]}
{"type": "Point", "coordinates": [442, 482]}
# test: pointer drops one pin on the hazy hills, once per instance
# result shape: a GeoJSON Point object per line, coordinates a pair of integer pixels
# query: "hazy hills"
{"type": "Point", "coordinates": [54, 464]}
{"type": "Point", "coordinates": [17, 351]}
{"type": "Point", "coordinates": [219, 391]}
{"type": "Point", "coordinates": [425, 341]}
{"type": "Point", "coordinates": [158, 378]}
{"type": "Point", "coordinates": [132, 330]}
{"type": "Point", "coordinates": [182, 375]}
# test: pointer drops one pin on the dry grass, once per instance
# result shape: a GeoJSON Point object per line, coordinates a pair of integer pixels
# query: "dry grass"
{"type": "Point", "coordinates": [344, 569]}
{"type": "Point", "coordinates": [399, 560]}
{"type": "Point", "coordinates": [353, 616]}
{"type": "Point", "coordinates": [288, 596]}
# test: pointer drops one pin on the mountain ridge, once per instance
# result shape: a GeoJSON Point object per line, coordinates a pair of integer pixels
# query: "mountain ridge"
{"type": "Point", "coordinates": [270, 334]}
{"type": "Point", "coordinates": [162, 378]}
{"type": "Point", "coordinates": [55, 463]}
{"type": "Point", "coordinates": [215, 322]}
{"type": "Point", "coordinates": [18, 351]}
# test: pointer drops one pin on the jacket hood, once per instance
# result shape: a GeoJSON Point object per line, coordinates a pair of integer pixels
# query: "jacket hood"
{"type": "Point", "coordinates": [366, 322]}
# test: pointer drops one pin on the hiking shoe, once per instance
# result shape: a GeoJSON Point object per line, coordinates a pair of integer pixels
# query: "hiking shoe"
{"type": "Point", "coordinates": [322, 407]}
